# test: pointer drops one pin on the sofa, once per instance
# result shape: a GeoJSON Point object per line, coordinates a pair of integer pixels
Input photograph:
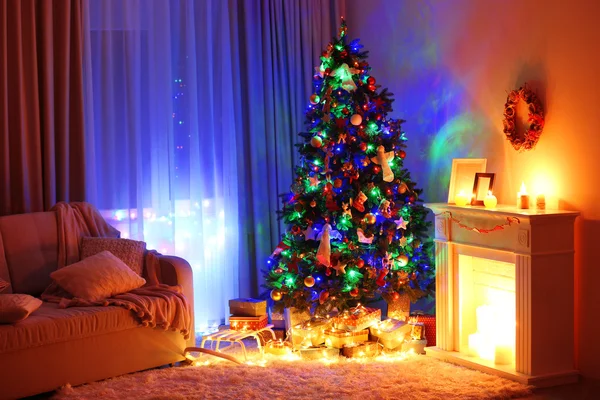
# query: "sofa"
{"type": "Point", "coordinates": [53, 346]}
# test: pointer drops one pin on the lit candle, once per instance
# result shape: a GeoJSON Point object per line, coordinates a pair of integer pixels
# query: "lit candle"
{"type": "Point", "coordinates": [523, 198]}
{"type": "Point", "coordinates": [461, 199]}
{"type": "Point", "coordinates": [540, 202]}
{"type": "Point", "coordinates": [490, 200]}
{"type": "Point", "coordinates": [503, 354]}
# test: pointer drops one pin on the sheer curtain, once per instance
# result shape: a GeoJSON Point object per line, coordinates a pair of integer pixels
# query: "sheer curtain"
{"type": "Point", "coordinates": [192, 109]}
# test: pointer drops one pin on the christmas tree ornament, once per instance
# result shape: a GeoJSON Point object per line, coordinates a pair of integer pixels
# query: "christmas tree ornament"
{"type": "Point", "coordinates": [296, 230]}
{"type": "Point", "coordinates": [314, 181]}
{"type": "Point", "coordinates": [402, 154]}
{"type": "Point", "coordinates": [382, 158]}
{"type": "Point", "coordinates": [344, 74]}
{"type": "Point", "coordinates": [362, 147]}
{"type": "Point", "coordinates": [370, 219]}
{"type": "Point", "coordinates": [356, 119]}
{"type": "Point", "coordinates": [354, 292]}
{"type": "Point", "coordinates": [402, 188]}
{"type": "Point", "coordinates": [309, 281]}
{"type": "Point", "coordinates": [324, 251]}
{"type": "Point", "coordinates": [313, 203]}
{"type": "Point", "coordinates": [402, 260]}
{"type": "Point", "coordinates": [316, 141]}
{"type": "Point", "coordinates": [314, 99]}
{"type": "Point", "coordinates": [360, 263]}
{"type": "Point", "coordinates": [276, 295]}
{"type": "Point", "coordinates": [359, 201]}
{"type": "Point", "coordinates": [362, 238]}
{"type": "Point", "coordinates": [371, 80]}
{"type": "Point", "coordinates": [298, 207]}
{"type": "Point", "coordinates": [278, 271]}
{"type": "Point", "coordinates": [323, 296]}
{"type": "Point", "coordinates": [381, 278]}
{"type": "Point", "coordinates": [337, 183]}
{"type": "Point", "coordinates": [346, 210]}
{"type": "Point", "coordinates": [401, 223]}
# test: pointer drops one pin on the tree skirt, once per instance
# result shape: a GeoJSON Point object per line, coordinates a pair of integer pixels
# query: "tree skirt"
{"type": "Point", "coordinates": [402, 377]}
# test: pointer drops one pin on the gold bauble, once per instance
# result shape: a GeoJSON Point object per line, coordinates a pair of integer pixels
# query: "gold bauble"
{"type": "Point", "coordinates": [276, 294]}
{"type": "Point", "coordinates": [402, 188]}
{"type": "Point", "coordinates": [370, 218]}
{"type": "Point", "coordinates": [402, 260]}
{"type": "Point", "coordinates": [316, 141]}
{"type": "Point", "coordinates": [309, 281]}
{"type": "Point", "coordinates": [356, 119]}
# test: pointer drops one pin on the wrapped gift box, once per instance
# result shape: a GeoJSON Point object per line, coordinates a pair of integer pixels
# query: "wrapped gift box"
{"type": "Point", "coordinates": [338, 338]}
{"type": "Point", "coordinates": [278, 320]}
{"type": "Point", "coordinates": [315, 353]}
{"type": "Point", "coordinates": [399, 309]}
{"type": "Point", "coordinates": [294, 317]}
{"type": "Point", "coordinates": [418, 346]}
{"type": "Point", "coordinates": [428, 322]}
{"type": "Point", "coordinates": [357, 318]}
{"type": "Point", "coordinates": [247, 307]}
{"type": "Point", "coordinates": [248, 323]}
{"type": "Point", "coordinates": [391, 333]}
{"type": "Point", "coordinates": [311, 332]}
{"type": "Point", "coordinates": [278, 347]}
{"type": "Point", "coordinates": [366, 349]}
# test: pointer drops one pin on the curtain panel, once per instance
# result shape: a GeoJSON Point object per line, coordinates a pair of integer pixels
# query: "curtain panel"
{"type": "Point", "coordinates": [192, 110]}
{"type": "Point", "coordinates": [42, 157]}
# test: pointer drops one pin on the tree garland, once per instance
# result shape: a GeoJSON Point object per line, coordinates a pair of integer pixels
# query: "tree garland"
{"type": "Point", "coordinates": [528, 139]}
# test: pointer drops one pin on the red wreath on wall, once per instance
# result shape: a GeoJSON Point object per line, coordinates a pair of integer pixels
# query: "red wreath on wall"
{"type": "Point", "coordinates": [528, 139]}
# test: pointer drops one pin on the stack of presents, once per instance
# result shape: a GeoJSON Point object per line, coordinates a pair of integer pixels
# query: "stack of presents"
{"type": "Point", "coordinates": [357, 332]}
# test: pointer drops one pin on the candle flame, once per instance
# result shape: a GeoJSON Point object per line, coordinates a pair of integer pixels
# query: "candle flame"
{"type": "Point", "coordinates": [523, 188]}
{"type": "Point", "coordinates": [489, 192]}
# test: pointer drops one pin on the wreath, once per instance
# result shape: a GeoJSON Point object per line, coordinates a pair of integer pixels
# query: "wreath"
{"type": "Point", "coordinates": [528, 139]}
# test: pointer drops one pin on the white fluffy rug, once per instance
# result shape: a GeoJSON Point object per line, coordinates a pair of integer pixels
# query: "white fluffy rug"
{"type": "Point", "coordinates": [401, 377]}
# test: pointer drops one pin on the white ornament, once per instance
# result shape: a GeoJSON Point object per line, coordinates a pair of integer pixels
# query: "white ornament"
{"type": "Point", "coordinates": [324, 251]}
{"type": "Point", "coordinates": [382, 158]}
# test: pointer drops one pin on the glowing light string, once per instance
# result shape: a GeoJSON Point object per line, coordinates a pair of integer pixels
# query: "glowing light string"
{"type": "Point", "coordinates": [509, 221]}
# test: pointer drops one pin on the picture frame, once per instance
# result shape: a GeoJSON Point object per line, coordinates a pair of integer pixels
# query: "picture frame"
{"type": "Point", "coordinates": [463, 175]}
{"type": "Point", "coordinates": [483, 183]}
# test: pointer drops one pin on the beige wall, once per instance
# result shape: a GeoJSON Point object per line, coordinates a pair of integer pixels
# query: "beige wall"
{"type": "Point", "coordinates": [451, 63]}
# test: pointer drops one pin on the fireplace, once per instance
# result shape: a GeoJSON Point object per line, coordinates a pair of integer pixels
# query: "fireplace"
{"type": "Point", "coordinates": [504, 291]}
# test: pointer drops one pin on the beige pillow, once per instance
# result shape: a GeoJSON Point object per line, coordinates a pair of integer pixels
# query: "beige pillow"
{"type": "Point", "coordinates": [3, 284]}
{"type": "Point", "coordinates": [97, 277]}
{"type": "Point", "coordinates": [131, 252]}
{"type": "Point", "coordinates": [17, 307]}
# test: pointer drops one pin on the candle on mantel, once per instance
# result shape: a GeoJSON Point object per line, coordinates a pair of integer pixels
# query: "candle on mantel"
{"type": "Point", "coordinates": [490, 201]}
{"type": "Point", "coordinates": [540, 202]}
{"type": "Point", "coordinates": [461, 199]}
{"type": "Point", "coordinates": [523, 198]}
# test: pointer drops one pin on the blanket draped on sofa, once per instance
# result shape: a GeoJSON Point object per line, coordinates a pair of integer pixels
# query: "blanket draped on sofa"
{"type": "Point", "coordinates": [155, 305]}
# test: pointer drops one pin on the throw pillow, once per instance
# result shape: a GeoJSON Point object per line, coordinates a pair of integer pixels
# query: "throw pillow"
{"type": "Point", "coordinates": [3, 284]}
{"type": "Point", "coordinates": [17, 307]}
{"type": "Point", "coordinates": [97, 277]}
{"type": "Point", "coordinates": [131, 252]}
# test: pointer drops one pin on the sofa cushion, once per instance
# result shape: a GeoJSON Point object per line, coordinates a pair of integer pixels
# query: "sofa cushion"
{"type": "Point", "coordinates": [97, 277]}
{"type": "Point", "coordinates": [30, 244]}
{"type": "Point", "coordinates": [131, 252]}
{"type": "Point", "coordinates": [50, 324]}
{"type": "Point", "coordinates": [17, 307]}
{"type": "Point", "coordinates": [4, 275]}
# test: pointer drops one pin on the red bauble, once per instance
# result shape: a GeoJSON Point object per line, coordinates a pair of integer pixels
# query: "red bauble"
{"type": "Point", "coordinates": [363, 146]}
{"type": "Point", "coordinates": [344, 54]}
{"type": "Point", "coordinates": [296, 229]}
{"type": "Point", "coordinates": [354, 292]}
{"type": "Point", "coordinates": [402, 154]}
{"type": "Point", "coordinates": [337, 183]}
{"type": "Point", "coordinates": [376, 169]}
{"type": "Point", "coordinates": [371, 88]}
{"type": "Point", "coordinates": [328, 272]}
{"type": "Point", "coordinates": [412, 198]}
{"type": "Point", "coordinates": [378, 117]}
{"type": "Point", "coordinates": [323, 296]}
{"type": "Point", "coordinates": [371, 80]}
{"type": "Point", "coordinates": [328, 187]}
{"type": "Point", "coordinates": [316, 141]}
{"type": "Point", "coordinates": [327, 71]}
{"type": "Point", "coordinates": [360, 263]}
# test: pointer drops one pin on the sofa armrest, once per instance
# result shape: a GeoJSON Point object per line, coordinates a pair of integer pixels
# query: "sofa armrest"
{"type": "Point", "coordinates": [177, 271]}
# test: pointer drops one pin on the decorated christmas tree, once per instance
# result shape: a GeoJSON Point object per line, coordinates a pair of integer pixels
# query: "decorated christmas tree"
{"type": "Point", "coordinates": [356, 229]}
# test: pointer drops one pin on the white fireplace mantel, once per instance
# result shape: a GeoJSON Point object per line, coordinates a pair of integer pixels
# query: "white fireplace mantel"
{"type": "Point", "coordinates": [540, 244]}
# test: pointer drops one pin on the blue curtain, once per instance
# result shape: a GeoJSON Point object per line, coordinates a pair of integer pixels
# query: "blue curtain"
{"type": "Point", "coordinates": [192, 110]}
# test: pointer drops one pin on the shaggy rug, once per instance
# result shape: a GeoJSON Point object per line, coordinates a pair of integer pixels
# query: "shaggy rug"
{"type": "Point", "coordinates": [400, 377]}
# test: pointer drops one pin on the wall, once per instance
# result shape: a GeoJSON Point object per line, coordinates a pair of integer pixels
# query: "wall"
{"type": "Point", "coordinates": [451, 63]}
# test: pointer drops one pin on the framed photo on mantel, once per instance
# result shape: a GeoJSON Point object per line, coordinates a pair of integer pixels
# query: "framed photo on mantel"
{"type": "Point", "coordinates": [463, 173]}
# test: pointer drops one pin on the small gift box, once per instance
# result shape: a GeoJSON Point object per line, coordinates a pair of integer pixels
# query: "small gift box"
{"type": "Point", "coordinates": [278, 347]}
{"type": "Point", "coordinates": [247, 307]}
{"type": "Point", "coordinates": [418, 346]}
{"type": "Point", "coordinates": [311, 332]}
{"type": "Point", "coordinates": [248, 323]}
{"type": "Point", "coordinates": [338, 338]}
{"type": "Point", "coordinates": [357, 318]}
{"type": "Point", "coordinates": [399, 309]}
{"type": "Point", "coordinates": [366, 349]}
{"type": "Point", "coordinates": [315, 353]}
{"type": "Point", "coordinates": [391, 333]}
{"type": "Point", "coordinates": [293, 317]}
{"type": "Point", "coordinates": [428, 322]}
{"type": "Point", "coordinates": [278, 320]}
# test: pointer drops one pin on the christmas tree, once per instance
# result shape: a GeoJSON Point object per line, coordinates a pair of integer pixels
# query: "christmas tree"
{"type": "Point", "coordinates": [357, 231]}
